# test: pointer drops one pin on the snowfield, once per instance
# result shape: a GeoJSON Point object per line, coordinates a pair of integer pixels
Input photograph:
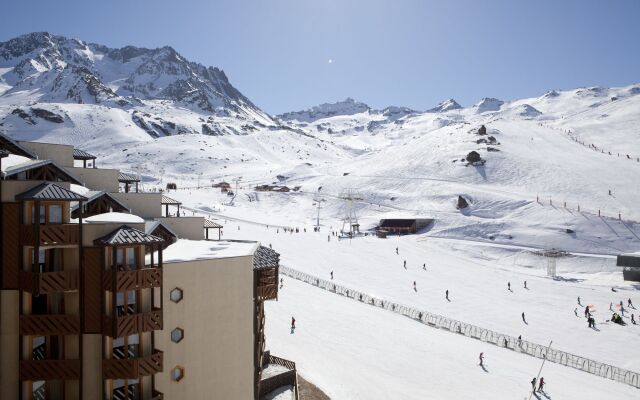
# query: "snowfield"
{"type": "Point", "coordinates": [561, 171]}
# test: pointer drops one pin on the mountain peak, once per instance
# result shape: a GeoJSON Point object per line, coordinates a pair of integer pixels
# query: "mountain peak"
{"type": "Point", "coordinates": [347, 106]}
{"type": "Point", "coordinates": [446, 105]}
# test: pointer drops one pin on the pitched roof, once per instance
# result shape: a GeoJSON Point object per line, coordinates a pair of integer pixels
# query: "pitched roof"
{"type": "Point", "coordinates": [82, 155]}
{"type": "Point", "coordinates": [265, 257]}
{"type": "Point", "coordinates": [123, 177]}
{"type": "Point", "coordinates": [150, 226]}
{"type": "Point", "coordinates": [14, 147]}
{"type": "Point", "coordinates": [50, 191]}
{"type": "Point", "coordinates": [169, 200]}
{"type": "Point", "coordinates": [127, 235]}
{"type": "Point", "coordinates": [210, 224]}
{"type": "Point", "coordinates": [93, 195]}
{"type": "Point", "coordinates": [33, 164]}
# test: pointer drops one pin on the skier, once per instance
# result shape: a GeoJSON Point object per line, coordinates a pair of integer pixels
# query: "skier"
{"type": "Point", "coordinates": [575, 311]}
{"type": "Point", "coordinates": [446, 293]}
{"type": "Point", "coordinates": [424, 267]}
{"type": "Point", "coordinates": [519, 340]}
{"type": "Point", "coordinates": [293, 324]}
{"type": "Point", "coordinates": [621, 308]}
{"type": "Point", "coordinates": [630, 304]}
{"type": "Point", "coordinates": [523, 320]}
{"type": "Point", "coordinates": [579, 301]}
{"type": "Point", "coordinates": [405, 264]}
{"type": "Point", "coordinates": [586, 312]}
{"type": "Point", "coordinates": [481, 359]}
{"type": "Point", "coordinates": [331, 275]}
{"type": "Point", "coordinates": [415, 289]}
{"type": "Point", "coordinates": [281, 282]}
{"type": "Point", "coordinates": [525, 285]}
{"type": "Point", "coordinates": [533, 383]}
{"type": "Point", "coordinates": [328, 238]}
{"type": "Point", "coordinates": [509, 286]}
{"type": "Point", "coordinates": [633, 320]}
{"type": "Point", "coordinates": [397, 251]}
{"type": "Point", "coordinates": [610, 306]}
{"type": "Point", "coordinates": [541, 384]}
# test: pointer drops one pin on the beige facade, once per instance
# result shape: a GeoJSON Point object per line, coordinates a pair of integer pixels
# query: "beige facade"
{"type": "Point", "coordinates": [185, 227]}
{"type": "Point", "coordinates": [12, 188]}
{"type": "Point", "coordinates": [97, 178]}
{"type": "Point", "coordinates": [144, 205]}
{"type": "Point", "coordinates": [62, 154]}
{"type": "Point", "coordinates": [216, 316]}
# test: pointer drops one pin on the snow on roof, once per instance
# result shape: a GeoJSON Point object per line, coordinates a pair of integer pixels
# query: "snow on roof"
{"type": "Point", "coordinates": [115, 217]}
{"type": "Point", "coordinates": [80, 189]}
{"type": "Point", "coordinates": [13, 160]}
{"type": "Point", "coordinates": [192, 250]}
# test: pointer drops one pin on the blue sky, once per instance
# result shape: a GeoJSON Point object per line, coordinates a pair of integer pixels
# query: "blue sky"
{"type": "Point", "coordinates": [393, 52]}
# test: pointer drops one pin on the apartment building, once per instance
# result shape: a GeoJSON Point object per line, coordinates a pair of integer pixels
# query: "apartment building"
{"type": "Point", "coordinates": [106, 294]}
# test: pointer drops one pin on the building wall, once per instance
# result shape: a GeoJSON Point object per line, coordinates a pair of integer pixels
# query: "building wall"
{"type": "Point", "coordinates": [92, 367]}
{"type": "Point", "coordinates": [60, 153]}
{"type": "Point", "coordinates": [145, 205]}
{"type": "Point", "coordinates": [216, 313]}
{"type": "Point", "coordinates": [97, 178]}
{"type": "Point", "coordinates": [9, 349]}
{"type": "Point", "coordinates": [185, 227]}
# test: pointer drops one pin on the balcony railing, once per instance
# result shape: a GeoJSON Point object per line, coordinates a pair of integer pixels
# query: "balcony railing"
{"type": "Point", "coordinates": [267, 283]}
{"type": "Point", "coordinates": [288, 378]}
{"type": "Point", "coordinates": [130, 324]}
{"type": "Point", "coordinates": [49, 282]}
{"type": "Point", "coordinates": [43, 370]}
{"type": "Point", "coordinates": [133, 279]}
{"type": "Point", "coordinates": [133, 368]}
{"type": "Point", "coordinates": [50, 235]}
{"type": "Point", "coordinates": [52, 324]}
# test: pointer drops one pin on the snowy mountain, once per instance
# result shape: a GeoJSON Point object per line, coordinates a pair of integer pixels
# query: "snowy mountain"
{"type": "Point", "coordinates": [446, 105]}
{"type": "Point", "coordinates": [346, 107]}
{"type": "Point", "coordinates": [44, 68]}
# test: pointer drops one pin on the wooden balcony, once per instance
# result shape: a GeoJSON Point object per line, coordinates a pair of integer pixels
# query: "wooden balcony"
{"type": "Point", "coordinates": [267, 283]}
{"type": "Point", "coordinates": [130, 324]}
{"type": "Point", "coordinates": [52, 324]}
{"type": "Point", "coordinates": [133, 279]}
{"type": "Point", "coordinates": [49, 282]}
{"type": "Point", "coordinates": [133, 368]}
{"type": "Point", "coordinates": [42, 370]}
{"type": "Point", "coordinates": [51, 235]}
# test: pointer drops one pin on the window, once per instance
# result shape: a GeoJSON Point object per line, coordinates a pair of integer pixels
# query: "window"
{"type": "Point", "coordinates": [177, 373]}
{"type": "Point", "coordinates": [177, 335]}
{"type": "Point", "coordinates": [176, 295]}
{"type": "Point", "coordinates": [55, 214]}
{"type": "Point", "coordinates": [126, 257]}
{"type": "Point", "coordinates": [42, 214]}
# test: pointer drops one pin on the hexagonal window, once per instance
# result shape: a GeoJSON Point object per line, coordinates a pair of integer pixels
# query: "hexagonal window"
{"type": "Point", "coordinates": [177, 335]}
{"type": "Point", "coordinates": [175, 295]}
{"type": "Point", "coordinates": [177, 373]}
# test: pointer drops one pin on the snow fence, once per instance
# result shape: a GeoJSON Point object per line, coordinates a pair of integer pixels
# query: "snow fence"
{"type": "Point", "coordinates": [486, 335]}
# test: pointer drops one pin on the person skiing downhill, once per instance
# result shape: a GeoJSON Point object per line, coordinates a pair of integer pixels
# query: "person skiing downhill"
{"type": "Point", "coordinates": [621, 308]}
{"type": "Point", "coordinates": [424, 267]}
{"type": "Point", "coordinates": [331, 275]}
{"type": "Point", "coordinates": [405, 264]}
{"type": "Point", "coordinates": [446, 294]}
{"type": "Point", "coordinates": [533, 383]}
{"type": "Point", "coordinates": [293, 324]}
{"type": "Point", "coordinates": [541, 384]}
{"type": "Point", "coordinates": [397, 251]}
{"type": "Point", "coordinates": [481, 359]}
{"type": "Point", "coordinates": [523, 319]}
{"type": "Point", "coordinates": [414, 286]}
{"type": "Point", "coordinates": [509, 286]}
{"type": "Point", "coordinates": [525, 285]}
{"type": "Point", "coordinates": [579, 301]}
{"type": "Point", "coordinates": [633, 320]}
{"type": "Point", "coordinates": [586, 312]}
{"type": "Point", "coordinates": [630, 304]}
